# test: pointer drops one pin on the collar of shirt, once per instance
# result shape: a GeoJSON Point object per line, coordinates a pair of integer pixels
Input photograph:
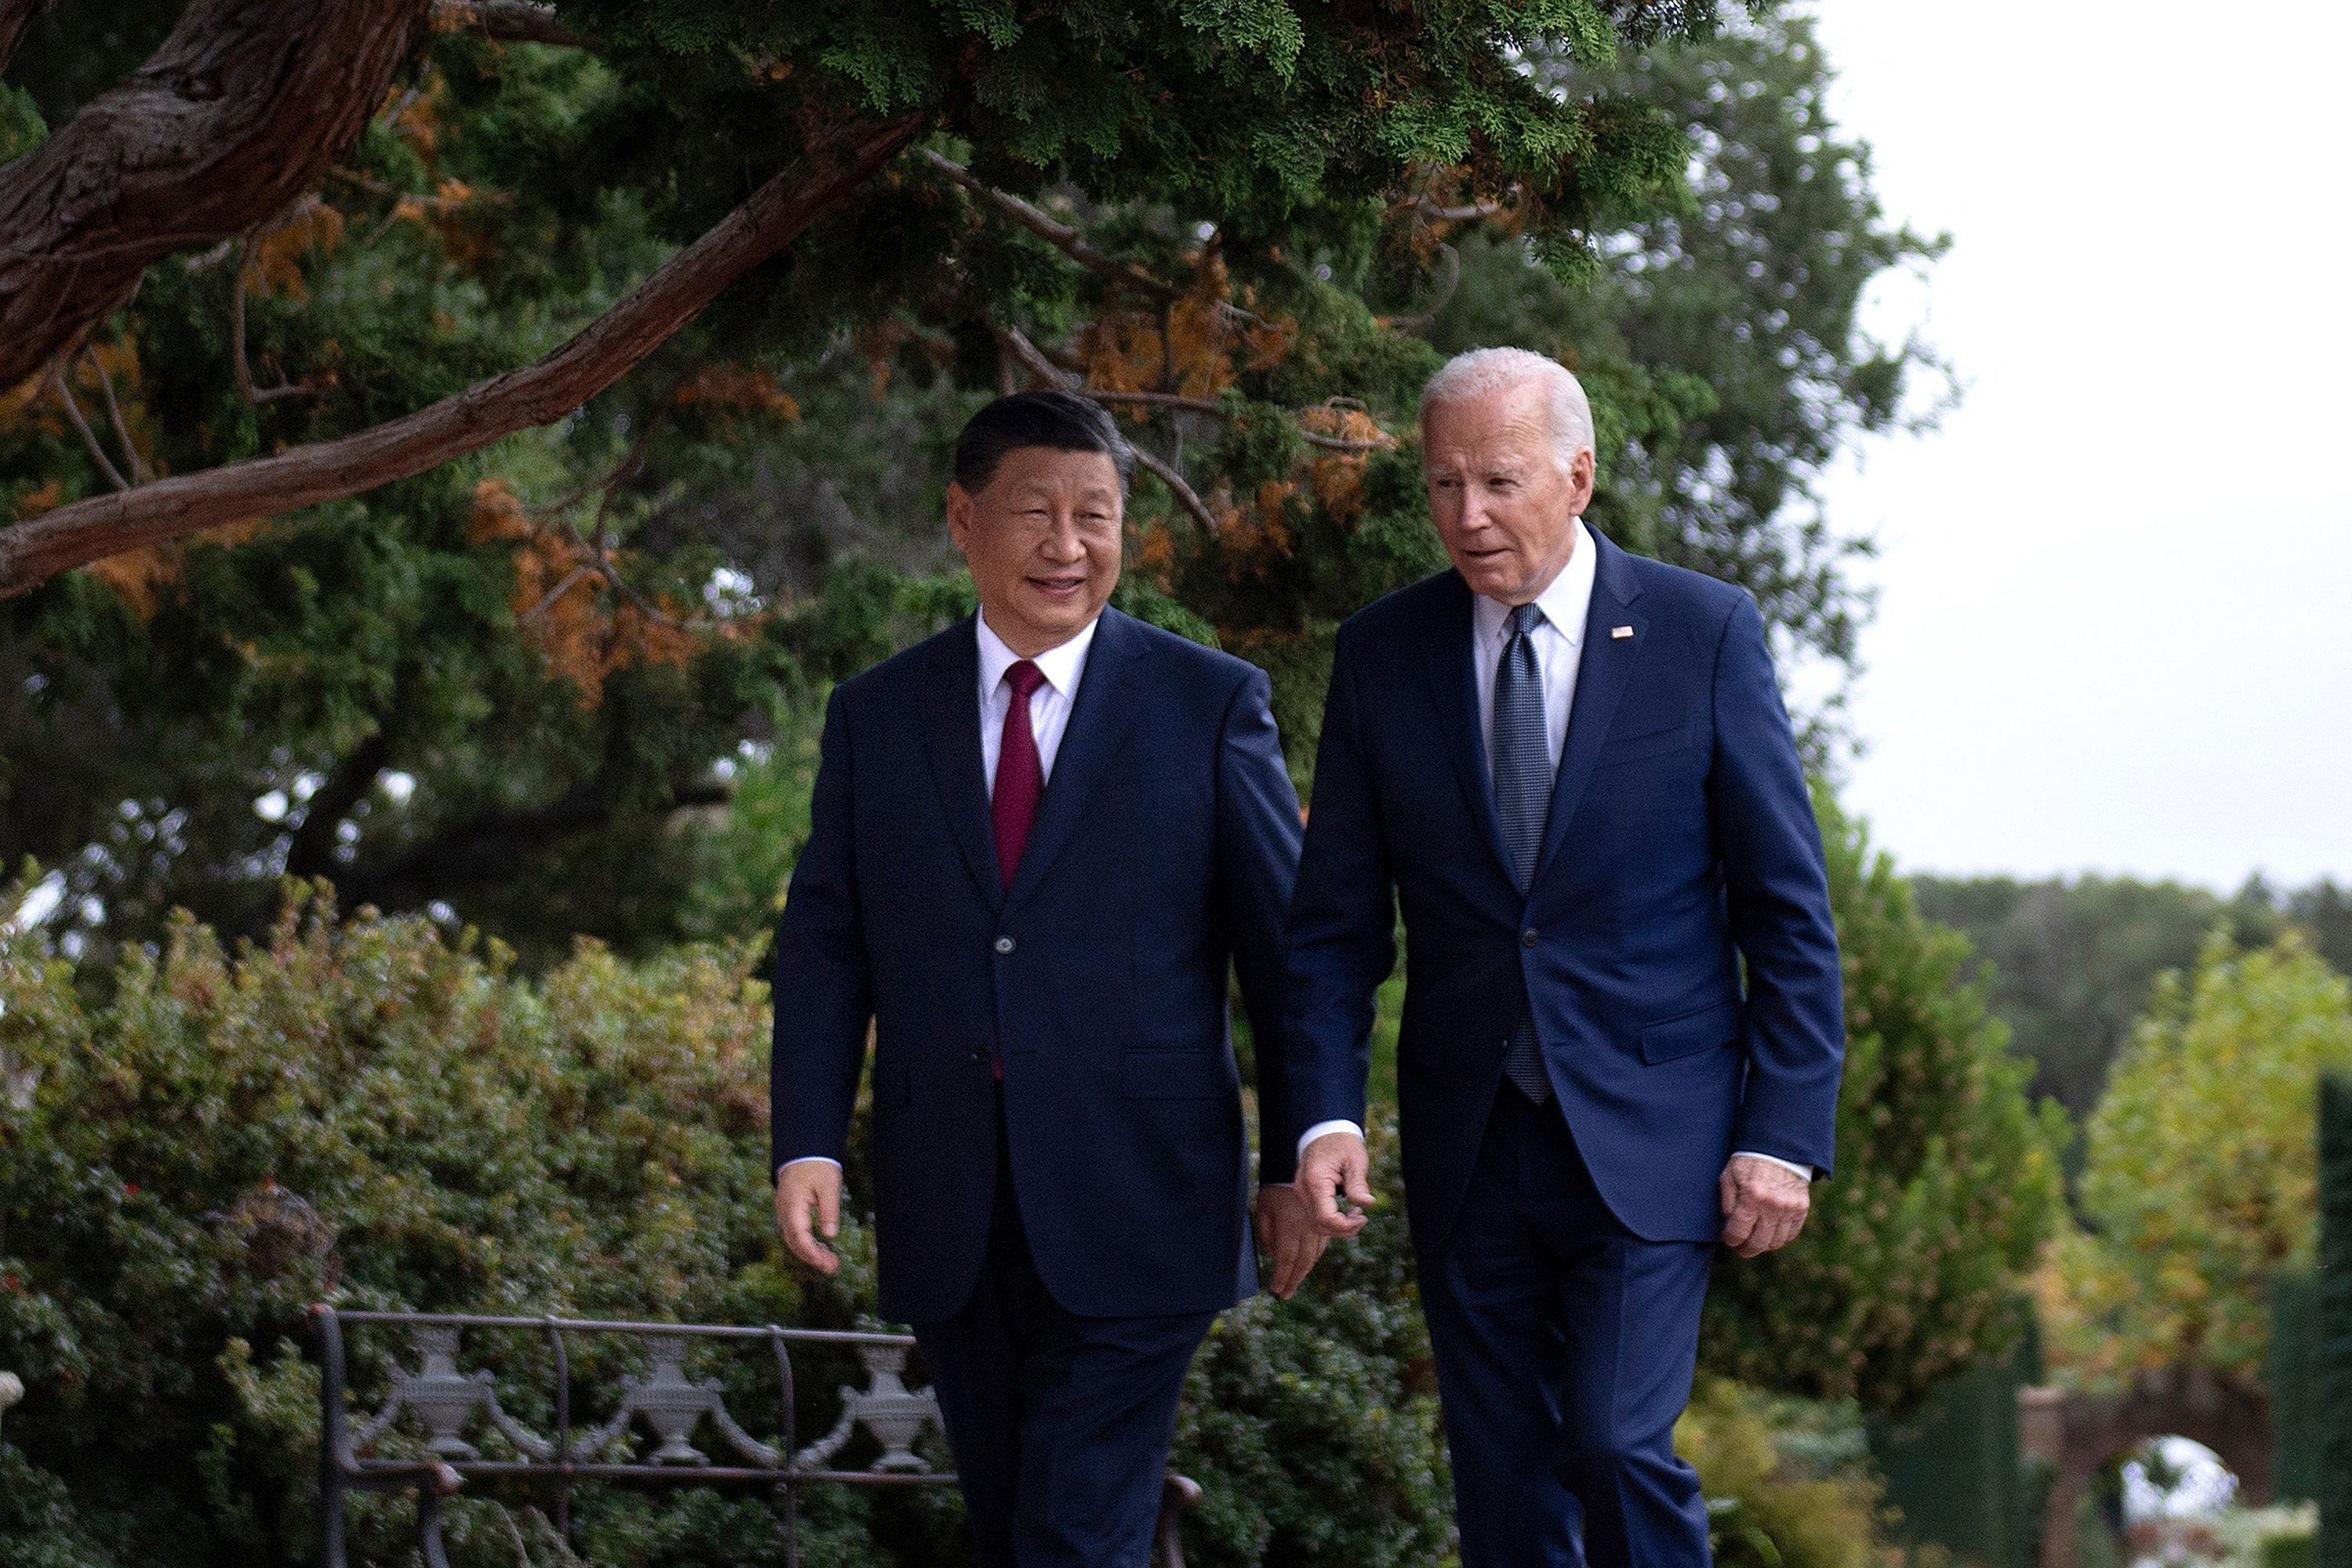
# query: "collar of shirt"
{"type": "Point", "coordinates": [1566, 601]}
{"type": "Point", "coordinates": [1061, 664]}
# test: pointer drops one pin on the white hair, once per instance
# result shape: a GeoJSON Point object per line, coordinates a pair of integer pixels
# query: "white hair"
{"type": "Point", "coordinates": [1482, 371]}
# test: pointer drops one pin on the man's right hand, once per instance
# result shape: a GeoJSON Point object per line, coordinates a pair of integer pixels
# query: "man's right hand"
{"type": "Point", "coordinates": [1333, 1166]}
{"type": "Point", "coordinates": [806, 1191]}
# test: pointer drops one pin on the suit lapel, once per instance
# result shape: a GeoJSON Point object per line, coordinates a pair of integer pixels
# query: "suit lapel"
{"type": "Point", "coordinates": [1098, 724]}
{"type": "Point", "coordinates": [950, 698]}
{"type": "Point", "coordinates": [1445, 658]}
{"type": "Point", "coordinates": [1600, 676]}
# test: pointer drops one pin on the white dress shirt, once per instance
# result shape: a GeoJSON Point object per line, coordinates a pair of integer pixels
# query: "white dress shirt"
{"type": "Point", "coordinates": [1559, 639]}
{"type": "Point", "coordinates": [1049, 705]}
{"type": "Point", "coordinates": [1049, 716]}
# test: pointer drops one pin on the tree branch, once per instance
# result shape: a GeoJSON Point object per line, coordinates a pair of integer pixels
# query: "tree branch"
{"type": "Point", "coordinates": [15, 15]}
{"type": "Point", "coordinates": [240, 368]}
{"type": "Point", "coordinates": [540, 394]}
{"type": "Point", "coordinates": [140, 472]}
{"type": "Point", "coordinates": [1059, 235]}
{"type": "Point", "coordinates": [1047, 371]}
{"type": "Point", "coordinates": [1156, 400]}
{"type": "Point", "coordinates": [238, 113]}
{"type": "Point", "coordinates": [1207, 405]}
{"type": "Point", "coordinates": [89, 437]}
{"type": "Point", "coordinates": [508, 21]}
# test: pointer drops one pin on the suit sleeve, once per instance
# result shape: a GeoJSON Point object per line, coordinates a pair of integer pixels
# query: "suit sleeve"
{"type": "Point", "coordinates": [1258, 862]}
{"type": "Point", "coordinates": [1777, 890]}
{"type": "Point", "coordinates": [1342, 927]}
{"type": "Point", "coordinates": [823, 992]}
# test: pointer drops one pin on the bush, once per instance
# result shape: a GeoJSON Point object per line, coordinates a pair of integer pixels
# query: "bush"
{"type": "Point", "coordinates": [2201, 1181]}
{"type": "Point", "coordinates": [365, 1110]}
{"type": "Point", "coordinates": [369, 1110]}
{"type": "Point", "coordinates": [1787, 1483]}
{"type": "Point", "coordinates": [1947, 1182]}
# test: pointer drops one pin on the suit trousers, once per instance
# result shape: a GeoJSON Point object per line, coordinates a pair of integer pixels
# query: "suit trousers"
{"type": "Point", "coordinates": [1060, 1423]}
{"type": "Point", "coordinates": [1565, 1346]}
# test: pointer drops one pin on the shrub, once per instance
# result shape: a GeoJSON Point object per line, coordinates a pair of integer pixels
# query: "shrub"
{"type": "Point", "coordinates": [364, 1110]}
{"type": "Point", "coordinates": [1947, 1182]}
{"type": "Point", "coordinates": [2201, 1181]}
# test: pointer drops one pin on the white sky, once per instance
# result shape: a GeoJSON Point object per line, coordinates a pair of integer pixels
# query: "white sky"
{"type": "Point", "coordinates": [2115, 626]}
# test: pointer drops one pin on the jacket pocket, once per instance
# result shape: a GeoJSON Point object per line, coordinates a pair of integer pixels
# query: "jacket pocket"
{"type": "Point", "coordinates": [1655, 744]}
{"type": "Point", "coordinates": [1175, 1075]}
{"type": "Point", "coordinates": [1690, 1033]}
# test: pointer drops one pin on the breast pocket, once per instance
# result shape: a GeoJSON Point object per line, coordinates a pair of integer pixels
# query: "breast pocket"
{"type": "Point", "coordinates": [1647, 743]}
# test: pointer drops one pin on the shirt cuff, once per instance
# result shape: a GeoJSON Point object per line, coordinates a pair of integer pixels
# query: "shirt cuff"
{"type": "Point", "coordinates": [1320, 1128]}
{"type": "Point", "coordinates": [1805, 1171]}
{"type": "Point", "coordinates": [808, 1160]}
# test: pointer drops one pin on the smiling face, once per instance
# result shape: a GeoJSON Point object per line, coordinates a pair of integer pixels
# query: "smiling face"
{"type": "Point", "coordinates": [1042, 538]}
{"type": "Point", "coordinates": [1504, 509]}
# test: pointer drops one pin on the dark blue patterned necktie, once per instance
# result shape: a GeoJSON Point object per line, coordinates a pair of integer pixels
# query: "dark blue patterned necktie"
{"type": "Point", "coordinates": [1523, 782]}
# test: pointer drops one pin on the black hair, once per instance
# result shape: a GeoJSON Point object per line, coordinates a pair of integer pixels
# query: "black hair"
{"type": "Point", "coordinates": [1062, 421]}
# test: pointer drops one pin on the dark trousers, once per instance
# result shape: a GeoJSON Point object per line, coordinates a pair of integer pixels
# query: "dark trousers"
{"type": "Point", "coordinates": [1060, 1425]}
{"type": "Point", "coordinates": [1565, 1346]}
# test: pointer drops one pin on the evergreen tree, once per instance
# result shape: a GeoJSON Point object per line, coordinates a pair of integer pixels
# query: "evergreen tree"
{"type": "Point", "coordinates": [525, 687]}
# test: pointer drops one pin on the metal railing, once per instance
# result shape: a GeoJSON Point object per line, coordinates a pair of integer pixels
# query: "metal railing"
{"type": "Point", "coordinates": [446, 1407]}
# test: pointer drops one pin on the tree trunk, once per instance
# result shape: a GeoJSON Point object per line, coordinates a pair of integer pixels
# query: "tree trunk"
{"type": "Point", "coordinates": [239, 113]}
{"type": "Point", "coordinates": [13, 15]}
{"type": "Point", "coordinates": [540, 394]}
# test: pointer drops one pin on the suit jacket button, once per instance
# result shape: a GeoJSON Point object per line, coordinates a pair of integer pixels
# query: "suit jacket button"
{"type": "Point", "coordinates": [978, 1055]}
{"type": "Point", "coordinates": [1528, 937]}
{"type": "Point", "coordinates": [1004, 944]}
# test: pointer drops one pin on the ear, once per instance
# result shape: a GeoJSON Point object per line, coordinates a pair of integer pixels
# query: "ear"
{"type": "Point", "coordinates": [1582, 472]}
{"type": "Point", "coordinates": [959, 515]}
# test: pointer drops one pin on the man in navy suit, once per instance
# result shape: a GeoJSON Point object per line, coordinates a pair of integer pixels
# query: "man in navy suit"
{"type": "Point", "coordinates": [1573, 767]}
{"type": "Point", "coordinates": [1037, 842]}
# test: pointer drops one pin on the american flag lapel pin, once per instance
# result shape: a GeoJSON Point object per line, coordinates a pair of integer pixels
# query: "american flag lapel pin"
{"type": "Point", "coordinates": [1621, 631]}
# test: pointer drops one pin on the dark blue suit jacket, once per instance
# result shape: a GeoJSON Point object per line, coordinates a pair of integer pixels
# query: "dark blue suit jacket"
{"type": "Point", "coordinates": [1681, 840]}
{"type": "Point", "coordinates": [1165, 845]}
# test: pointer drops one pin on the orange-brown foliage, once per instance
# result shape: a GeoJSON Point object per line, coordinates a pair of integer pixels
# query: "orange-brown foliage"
{"type": "Point", "coordinates": [563, 598]}
{"type": "Point", "coordinates": [273, 262]}
{"type": "Point", "coordinates": [731, 386]}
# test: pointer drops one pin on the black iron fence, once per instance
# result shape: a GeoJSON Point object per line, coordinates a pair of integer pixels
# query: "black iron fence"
{"type": "Point", "coordinates": [441, 1421]}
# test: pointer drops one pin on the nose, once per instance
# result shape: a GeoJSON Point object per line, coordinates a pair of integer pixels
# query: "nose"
{"type": "Point", "coordinates": [1062, 543]}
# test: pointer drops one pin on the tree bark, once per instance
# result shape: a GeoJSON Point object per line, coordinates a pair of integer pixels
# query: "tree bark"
{"type": "Point", "coordinates": [13, 15]}
{"type": "Point", "coordinates": [239, 113]}
{"type": "Point", "coordinates": [508, 21]}
{"type": "Point", "coordinates": [774, 216]}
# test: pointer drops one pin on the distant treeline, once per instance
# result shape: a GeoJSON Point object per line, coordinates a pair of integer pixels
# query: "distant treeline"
{"type": "Point", "coordinates": [2073, 959]}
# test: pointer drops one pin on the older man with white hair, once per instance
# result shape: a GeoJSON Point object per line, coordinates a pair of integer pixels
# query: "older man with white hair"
{"type": "Point", "coordinates": [1622, 1027]}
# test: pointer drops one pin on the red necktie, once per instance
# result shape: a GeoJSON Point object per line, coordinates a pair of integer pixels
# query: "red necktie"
{"type": "Point", "coordinates": [1020, 776]}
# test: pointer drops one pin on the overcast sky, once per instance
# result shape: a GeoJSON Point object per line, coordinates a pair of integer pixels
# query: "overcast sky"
{"type": "Point", "coordinates": [2115, 628]}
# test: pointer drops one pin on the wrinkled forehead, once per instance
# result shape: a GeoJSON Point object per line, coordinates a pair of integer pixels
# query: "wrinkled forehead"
{"type": "Point", "coordinates": [1511, 426]}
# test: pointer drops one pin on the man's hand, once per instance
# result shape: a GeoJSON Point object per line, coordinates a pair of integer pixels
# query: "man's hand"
{"type": "Point", "coordinates": [1764, 1205]}
{"type": "Point", "coordinates": [804, 1188]}
{"type": "Point", "coordinates": [1291, 1238]}
{"type": "Point", "coordinates": [1333, 1165]}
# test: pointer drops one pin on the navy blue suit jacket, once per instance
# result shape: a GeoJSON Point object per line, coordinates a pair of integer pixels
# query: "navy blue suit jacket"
{"type": "Point", "coordinates": [1681, 840]}
{"type": "Point", "coordinates": [1165, 847]}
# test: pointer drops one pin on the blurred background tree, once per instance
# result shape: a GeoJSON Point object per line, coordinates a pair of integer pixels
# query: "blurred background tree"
{"type": "Point", "coordinates": [2074, 959]}
{"type": "Point", "coordinates": [2200, 1184]}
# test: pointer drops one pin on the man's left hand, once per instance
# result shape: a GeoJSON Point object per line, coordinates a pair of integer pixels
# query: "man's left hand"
{"type": "Point", "coordinates": [1764, 1205]}
{"type": "Point", "coordinates": [1292, 1239]}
